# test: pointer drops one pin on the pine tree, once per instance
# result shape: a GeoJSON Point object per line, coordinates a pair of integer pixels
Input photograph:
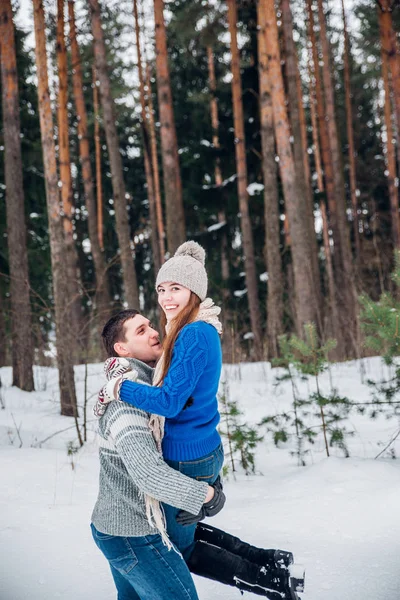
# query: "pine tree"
{"type": "Point", "coordinates": [103, 300]}
{"type": "Point", "coordinates": [306, 285]}
{"type": "Point", "coordinates": [22, 343]}
{"type": "Point", "coordinates": [146, 148]}
{"type": "Point", "coordinates": [120, 196]}
{"type": "Point", "coordinates": [242, 182]}
{"type": "Point", "coordinates": [175, 216]}
{"type": "Point", "coordinates": [61, 304]}
{"type": "Point", "coordinates": [71, 255]}
{"type": "Point", "coordinates": [271, 200]}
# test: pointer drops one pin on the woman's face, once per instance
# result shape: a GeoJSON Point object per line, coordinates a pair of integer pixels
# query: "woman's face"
{"type": "Point", "coordinates": [172, 297]}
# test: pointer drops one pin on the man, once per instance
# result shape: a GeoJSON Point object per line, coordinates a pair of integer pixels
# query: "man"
{"type": "Point", "coordinates": [127, 522]}
{"type": "Point", "coordinates": [216, 555]}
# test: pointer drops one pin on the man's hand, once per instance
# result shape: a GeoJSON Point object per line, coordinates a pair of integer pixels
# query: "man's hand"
{"type": "Point", "coordinates": [209, 509]}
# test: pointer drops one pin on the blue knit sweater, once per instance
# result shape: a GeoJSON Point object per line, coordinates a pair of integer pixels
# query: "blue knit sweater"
{"type": "Point", "coordinates": [194, 372]}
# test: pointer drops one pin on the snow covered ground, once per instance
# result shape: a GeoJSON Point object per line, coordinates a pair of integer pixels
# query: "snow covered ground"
{"type": "Point", "coordinates": [339, 516]}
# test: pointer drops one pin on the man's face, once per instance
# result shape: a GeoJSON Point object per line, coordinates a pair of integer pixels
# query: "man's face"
{"type": "Point", "coordinates": [141, 341]}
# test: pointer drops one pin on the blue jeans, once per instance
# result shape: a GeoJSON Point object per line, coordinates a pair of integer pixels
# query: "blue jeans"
{"type": "Point", "coordinates": [207, 469]}
{"type": "Point", "coordinates": [144, 569]}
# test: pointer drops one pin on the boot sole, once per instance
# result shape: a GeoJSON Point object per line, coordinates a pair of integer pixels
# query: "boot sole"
{"type": "Point", "coordinates": [296, 581]}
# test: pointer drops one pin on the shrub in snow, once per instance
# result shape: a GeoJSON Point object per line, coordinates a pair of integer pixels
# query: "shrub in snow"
{"type": "Point", "coordinates": [318, 413]}
{"type": "Point", "coordinates": [241, 438]}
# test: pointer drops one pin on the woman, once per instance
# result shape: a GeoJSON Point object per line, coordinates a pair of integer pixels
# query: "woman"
{"type": "Point", "coordinates": [187, 377]}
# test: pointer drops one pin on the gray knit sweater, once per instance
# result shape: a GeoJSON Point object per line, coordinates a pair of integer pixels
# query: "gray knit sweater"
{"type": "Point", "coordinates": [131, 466]}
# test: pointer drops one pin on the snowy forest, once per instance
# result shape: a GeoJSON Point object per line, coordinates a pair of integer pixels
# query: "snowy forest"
{"type": "Point", "coordinates": [269, 132]}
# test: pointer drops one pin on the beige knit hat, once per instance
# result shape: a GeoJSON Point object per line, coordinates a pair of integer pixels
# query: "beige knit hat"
{"type": "Point", "coordinates": [187, 268]}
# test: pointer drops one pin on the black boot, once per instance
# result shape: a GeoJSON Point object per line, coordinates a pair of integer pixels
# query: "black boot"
{"type": "Point", "coordinates": [221, 565]}
{"type": "Point", "coordinates": [274, 559]}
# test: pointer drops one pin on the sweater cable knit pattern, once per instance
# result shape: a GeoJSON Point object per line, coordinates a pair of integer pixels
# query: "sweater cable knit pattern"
{"type": "Point", "coordinates": [194, 372]}
{"type": "Point", "coordinates": [132, 467]}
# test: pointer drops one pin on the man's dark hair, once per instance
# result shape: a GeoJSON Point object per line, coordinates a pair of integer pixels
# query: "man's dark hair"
{"type": "Point", "coordinates": [113, 330]}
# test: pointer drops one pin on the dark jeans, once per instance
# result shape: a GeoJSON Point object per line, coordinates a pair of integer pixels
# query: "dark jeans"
{"type": "Point", "coordinates": [144, 569]}
{"type": "Point", "coordinates": [207, 469]}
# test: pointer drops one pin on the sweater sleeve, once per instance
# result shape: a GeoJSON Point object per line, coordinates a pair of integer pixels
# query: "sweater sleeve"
{"type": "Point", "coordinates": [188, 363]}
{"type": "Point", "coordinates": [135, 445]}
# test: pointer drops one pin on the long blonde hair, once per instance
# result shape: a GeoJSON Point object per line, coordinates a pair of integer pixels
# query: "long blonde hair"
{"type": "Point", "coordinates": [186, 316]}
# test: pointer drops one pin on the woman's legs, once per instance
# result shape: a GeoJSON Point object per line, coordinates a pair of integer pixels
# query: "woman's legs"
{"type": "Point", "coordinates": [260, 556]}
{"type": "Point", "coordinates": [143, 568]}
{"type": "Point", "coordinates": [207, 469]}
{"type": "Point", "coordinates": [221, 565]}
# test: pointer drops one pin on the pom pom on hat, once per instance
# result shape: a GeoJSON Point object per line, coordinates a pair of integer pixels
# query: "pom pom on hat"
{"type": "Point", "coordinates": [187, 268]}
{"type": "Point", "coordinates": [193, 249]}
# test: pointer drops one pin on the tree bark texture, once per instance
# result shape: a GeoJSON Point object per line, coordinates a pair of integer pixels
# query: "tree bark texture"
{"type": "Point", "coordinates": [154, 165]}
{"type": "Point", "coordinates": [118, 184]}
{"type": "Point", "coordinates": [390, 152]}
{"type": "Point", "coordinates": [97, 151]}
{"type": "Point", "coordinates": [217, 168]}
{"type": "Point", "coordinates": [176, 229]}
{"type": "Point", "coordinates": [103, 300]}
{"type": "Point", "coordinates": [389, 46]}
{"type": "Point", "coordinates": [271, 198]}
{"type": "Point", "coordinates": [296, 115]}
{"type": "Point", "coordinates": [60, 290]}
{"type": "Point", "coordinates": [241, 166]}
{"type": "Point", "coordinates": [314, 126]}
{"type": "Point", "coordinates": [334, 330]}
{"type": "Point", "coordinates": [342, 257]}
{"type": "Point", "coordinates": [322, 124]}
{"type": "Point", "coordinates": [71, 255]}
{"type": "Point", "coordinates": [350, 134]}
{"type": "Point", "coordinates": [3, 331]}
{"type": "Point", "coordinates": [307, 288]}
{"type": "Point", "coordinates": [335, 327]}
{"type": "Point", "coordinates": [21, 319]}
{"type": "Point", "coordinates": [146, 149]}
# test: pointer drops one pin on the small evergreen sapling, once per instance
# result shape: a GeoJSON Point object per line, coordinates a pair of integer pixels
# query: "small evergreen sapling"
{"type": "Point", "coordinates": [278, 424]}
{"type": "Point", "coordinates": [242, 438]}
{"type": "Point", "coordinates": [380, 321]}
{"type": "Point", "coordinates": [302, 359]}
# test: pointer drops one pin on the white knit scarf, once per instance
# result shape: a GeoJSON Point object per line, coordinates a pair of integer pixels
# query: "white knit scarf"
{"type": "Point", "coordinates": [209, 313]}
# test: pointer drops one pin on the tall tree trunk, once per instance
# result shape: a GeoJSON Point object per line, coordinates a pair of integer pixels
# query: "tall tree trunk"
{"type": "Point", "coordinates": [296, 115]}
{"type": "Point", "coordinates": [335, 321]}
{"type": "Point", "coordinates": [314, 126]}
{"type": "Point", "coordinates": [322, 124]}
{"type": "Point", "coordinates": [307, 287]}
{"type": "Point", "coordinates": [390, 153]}
{"type": "Point", "coordinates": [103, 300]}
{"type": "Point", "coordinates": [342, 256]}
{"type": "Point", "coordinates": [60, 290]}
{"type": "Point", "coordinates": [240, 152]}
{"type": "Point", "coordinates": [71, 255]}
{"type": "Point", "coordinates": [154, 165]}
{"type": "Point", "coordinates": [97, 151]}
{"type": "Point", "coordinates": [226, 314]}
{"type": "Point", "coordinates": [271, 198]}
{"type": "Point", "coordinates": [146, 149]}
{"type": "Point", "coordinates": [335, 330]}
{"type": "Point", "coordinates": [21, 320]}
{"type": "Point", "coordinates": [350, 134]}
{"type": "Point", "coordinates": [176, 229]}
{"type": "Point", "coordinates": [217, 169]}
{"type": "Point", "coordinates": [3, 330]}
{"type": "Point", "coordinates": [389, 46]}
{"type": "Point", "coordinates": [117, 178]}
